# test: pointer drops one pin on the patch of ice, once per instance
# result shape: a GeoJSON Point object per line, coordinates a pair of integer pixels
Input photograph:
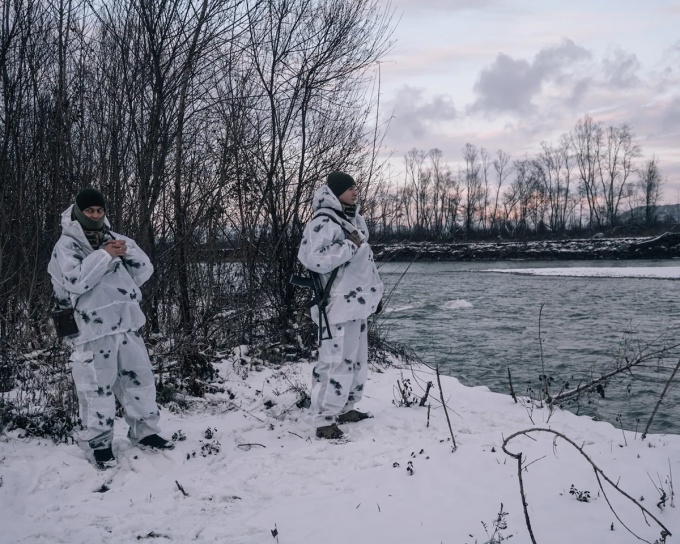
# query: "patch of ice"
{"type": "Point", "coordinates": [457, 305]}
{"type": "Point", "coordinates": [660, 272]}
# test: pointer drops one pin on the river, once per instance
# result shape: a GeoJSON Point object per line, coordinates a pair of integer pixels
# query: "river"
{"type": "Point", "coordinates": [476, 321]}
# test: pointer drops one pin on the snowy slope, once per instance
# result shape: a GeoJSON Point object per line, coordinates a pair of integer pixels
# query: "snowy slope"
{"type": "Point", "coordinates": [261, 470]}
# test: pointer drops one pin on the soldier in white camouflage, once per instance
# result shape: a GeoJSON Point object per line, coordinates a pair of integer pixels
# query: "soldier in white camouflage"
{"type": "Point", "coordinates": [99, 273]}
{"type": "Point", "coordinates": [337, 238]}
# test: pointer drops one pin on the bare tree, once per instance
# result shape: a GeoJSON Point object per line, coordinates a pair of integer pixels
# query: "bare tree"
{"type": "Point", "coordinates": [503, 169]}
{"type": "Point", "coordinates": [615, 166]}
{"type": "Point", "coordinates": [418, 183]}
{"type": "Point", "coordinates": [308, 65]}
{"type": "Point", "coordinates": [587, 141]}
{"type": "Point", "coordinates": [524, 200]}
{"type": "Point", "coordinates": [473, 185]}
{"type": "Point", "coordinates": [557, 168]}
{"type": "Point", "coordinates": [441, 180]}
{"type": "Point", "coordinates": [650, 183]}
{"type": "Point", "coordinates": [485, 159]}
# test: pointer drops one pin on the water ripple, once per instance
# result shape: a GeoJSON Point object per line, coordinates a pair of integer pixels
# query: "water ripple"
{"type": "Point", "coordinates": [478, 324]}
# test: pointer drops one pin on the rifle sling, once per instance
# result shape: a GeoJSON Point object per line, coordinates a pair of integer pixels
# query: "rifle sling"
{"type": "Point", "coordinates": [333, 218]}
{"type": "Point", "coordinates": [323, 300]}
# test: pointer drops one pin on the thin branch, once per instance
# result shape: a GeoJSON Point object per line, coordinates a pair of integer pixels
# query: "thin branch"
{"type": "Point", "coordinates": [512, 390]}
{"type": "Point", "coordinates": [597, 470]}
{"type": "Point", "coordinates": [663, 395]}
{"type": "Point", "coordinates": [544, 377]}
{"type": "Point", "coordinates": [446, 411]}
{"type": "Point", "coordinates": [639, 359]}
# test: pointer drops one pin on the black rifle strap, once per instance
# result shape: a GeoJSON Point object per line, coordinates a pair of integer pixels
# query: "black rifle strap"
{"type": "Point", "coordinates": [334, 273]}
{"type": "Point", "coordinates": [329, 284]}
{"type": "Point", "coordinates": [327, 288]}
{"type": "Point", "coordinates": [332, 217]}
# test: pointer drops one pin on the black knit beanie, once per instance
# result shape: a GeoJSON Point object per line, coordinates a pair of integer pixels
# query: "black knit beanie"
{"type": "Point", "coordinates": [339, 182]}
{"type": "Point", "coordinates": [90, 197]}
{"type": "Point", "coordinates": [85, 199]}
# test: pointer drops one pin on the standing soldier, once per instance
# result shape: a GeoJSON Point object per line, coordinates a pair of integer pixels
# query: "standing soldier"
{"type": "Point", "coordinates": [98, 273]}
{"type": "Point", "coordinates": [337, 239]}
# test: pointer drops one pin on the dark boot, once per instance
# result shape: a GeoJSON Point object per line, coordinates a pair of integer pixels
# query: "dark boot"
{"type": "Point", "coordinates": [352, 416]}
{"type": "Point", "coordinates": [104, 458]}
{"type": "Point", "coordinates": [156, 442]}
{"type": "Point", "coordinates": [329, 431]}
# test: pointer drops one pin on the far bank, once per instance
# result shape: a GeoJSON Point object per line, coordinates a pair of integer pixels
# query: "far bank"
{"type": "Point", "coordinates": [665, 246]}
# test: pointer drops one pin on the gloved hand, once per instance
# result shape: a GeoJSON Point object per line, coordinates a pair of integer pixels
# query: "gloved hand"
{"type": "Point", "coordinates": [355, 238]}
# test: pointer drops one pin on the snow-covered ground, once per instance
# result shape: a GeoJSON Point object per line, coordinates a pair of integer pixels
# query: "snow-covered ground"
{"type": "Point", "coordinates": [246, 473]}
{"type": "Point", "coordinates": [661, 272]}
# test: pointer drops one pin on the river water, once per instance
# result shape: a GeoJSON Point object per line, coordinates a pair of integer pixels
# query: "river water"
{"type": "Point", "coordinates": [476, 322]}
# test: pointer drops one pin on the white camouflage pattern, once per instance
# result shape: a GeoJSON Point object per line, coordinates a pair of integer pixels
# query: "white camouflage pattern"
{"type": "Point", "coordinates": [340, 373]}
{"type": "Point", "coordinates": [109, 358]}
{"type": "Point", "coordinates": [103, 289]}
{"type": "Point", "coordinates": [357, 289]}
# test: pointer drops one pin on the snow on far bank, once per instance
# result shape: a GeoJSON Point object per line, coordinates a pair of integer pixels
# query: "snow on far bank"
{"type": "Point", "coordinates": [660, 272]}
{"type": "Point", "coordinates": [248, 466]}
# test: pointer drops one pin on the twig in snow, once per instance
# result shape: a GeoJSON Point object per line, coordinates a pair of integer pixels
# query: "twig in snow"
{"type": "Point", "coordinates": [250, 445]}
{"type": "Point", "coordinates": [598, 473]}
{"type": "Point", "coordinates": [423, 400]}
{"type": "Point", "coordinates": [663, 394]}
{"type": "Point", "coordinates": [446, 411]}
{"type": "Point", "coordinates": [246, 411]}
{"type": "Point", "coordinates": [512, 390]}
{"type": "Point", "coordinates": [179, 486]}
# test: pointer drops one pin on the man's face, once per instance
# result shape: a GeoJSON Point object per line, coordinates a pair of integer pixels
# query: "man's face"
{"type": "Point", "coordinates": [94, 212]}
{"type": "Point", "coordinates": [350, 196]}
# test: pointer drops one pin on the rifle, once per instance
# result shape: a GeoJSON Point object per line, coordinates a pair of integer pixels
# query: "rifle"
{"type": "Point", "coordinates": [320, 299]}
{"type": "Point", "coordinates": [321, 292]}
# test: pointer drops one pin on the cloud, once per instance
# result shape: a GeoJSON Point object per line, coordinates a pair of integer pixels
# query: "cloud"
{"type": "Point", "coordinates": [671, 116]}
{"type": "Point", "coordinates": [416, 113]}
{"type": "Point", "coordinates": [446, 5]}
{"type": "Point", "coordinates": [578, 92]}
{"type": "Point", "coordinates": [510, 85]}
{"type": "Point", "coordinates": [620, 69]}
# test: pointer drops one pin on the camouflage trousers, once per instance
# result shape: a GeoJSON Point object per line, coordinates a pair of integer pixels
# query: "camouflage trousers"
{"type": "Point", "coordinates": [115, 366]}
{"type": "Point", "coordinates": [339, 375]}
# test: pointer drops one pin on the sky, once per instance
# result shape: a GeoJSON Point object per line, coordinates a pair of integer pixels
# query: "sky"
{"type": "Point", "coordinates": [247, 470]}
{"type": "Point", "coordinates": [508, 75]}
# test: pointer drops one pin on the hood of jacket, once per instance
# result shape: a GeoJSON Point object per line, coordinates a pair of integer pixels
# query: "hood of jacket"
{"type": "Point", "coordinates": [324, 198]}
{"type": "Point", "coordinates": [73, 229]}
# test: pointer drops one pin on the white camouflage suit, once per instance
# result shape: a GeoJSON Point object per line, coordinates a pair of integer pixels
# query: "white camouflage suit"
{"type": "Point", "coordinates": [340, 374]}
{"type": "Point", "coordinates": [109, 358]}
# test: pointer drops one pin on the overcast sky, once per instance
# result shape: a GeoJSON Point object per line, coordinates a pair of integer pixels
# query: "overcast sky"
{"type": "Point", "coordinates": [509, 74]}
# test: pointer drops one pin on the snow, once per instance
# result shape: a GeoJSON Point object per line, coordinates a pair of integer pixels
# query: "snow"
{"type": "Point", "coordinates": [660, 272]}
{"type": "Point", "coordinates": [247, 470]}
{"type": "Point", "coordinates": [457, 305]}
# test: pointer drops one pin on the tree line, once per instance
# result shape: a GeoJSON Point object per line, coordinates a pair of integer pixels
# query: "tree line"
{"type": "Point", "coordinates": [592, 179]}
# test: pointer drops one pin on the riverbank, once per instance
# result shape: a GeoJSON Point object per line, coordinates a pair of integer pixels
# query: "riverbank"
{"type": "Point", "coordinates": [247, 470]}
{"type": "Point", "coordinates": [665, 246]}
